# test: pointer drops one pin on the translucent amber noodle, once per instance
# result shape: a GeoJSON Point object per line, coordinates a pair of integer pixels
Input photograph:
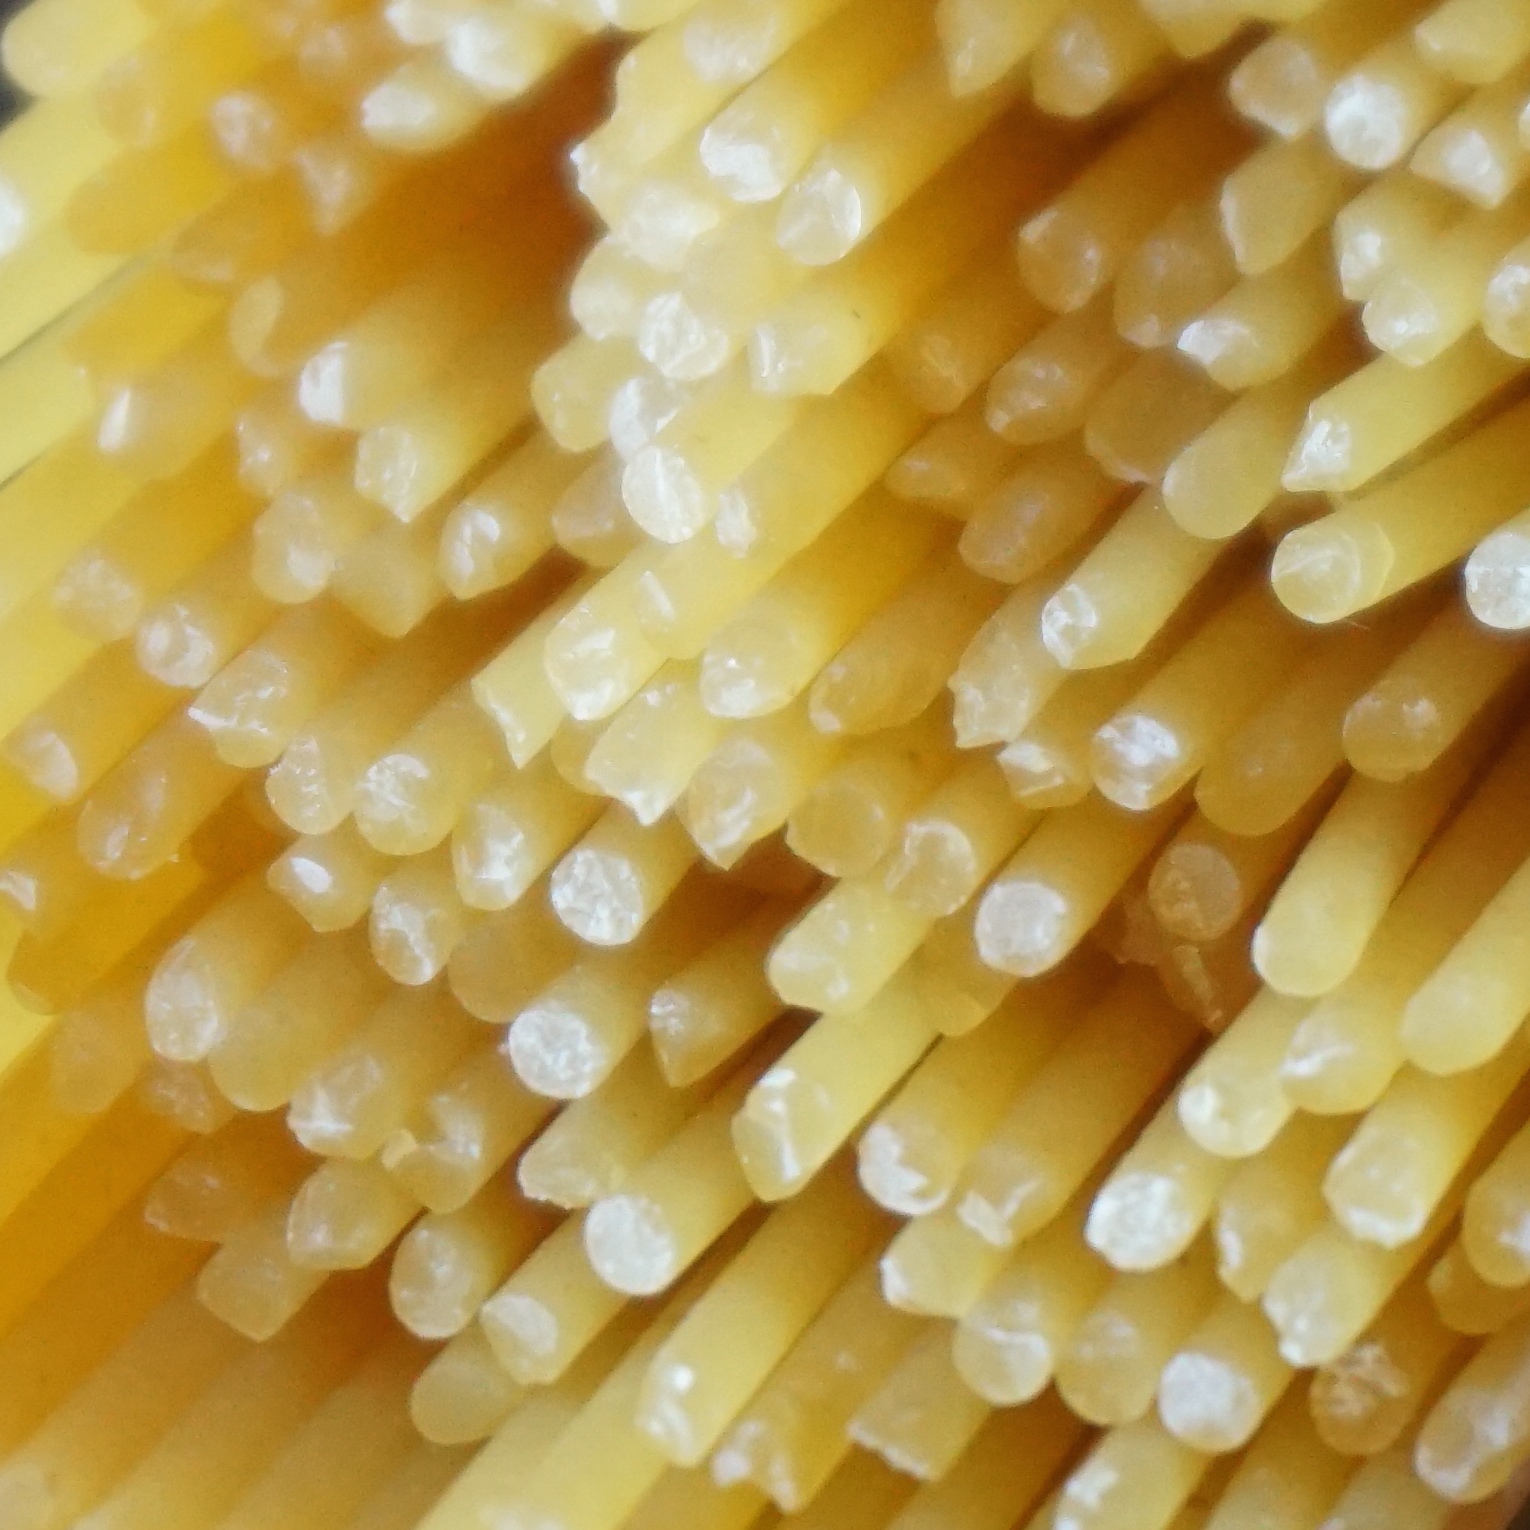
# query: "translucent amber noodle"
{"type": "Point", "coordinates": [590, 1462]}
{"type": "Point", "coordinates": [183, 1093]}
{"type": "Point", "coordinates": [1376, 545]}
{"type": "Point", "coordinates": [145, 194]}
{"type": "Point", "coordinates": [314, 783]}
{"type": "Point", "coordinates": [1471, 1101]}
{"type": "Point", "coordinates": [1266, 325]}
{"type": "Point", "coordinates": [1206, 880]}
{"type": "Point", "coordinates": [590, 522]}
{"type": "Point", "coordinates": [1375, 416]}
{"type": "Point", "coordinates": [308, 298]}
{"type": "Point", "coordinates": [498, 530]}
{"type": "Point", "coordinates": [768, 513]}
{"type": "Point", "coordinates": [1035, 912]}
{"type": "Point", "coordinates": [44, 277]}
{"type": "Point", "coordinates": [417, 920]}
{"type": "Point", "coordinates": [978, 1484]}
{"type": "Point", "coordinates": [1360, 1018]}
{"type": "Point", "coordinates": [343, 1215]}
{"type": "Point", "coordinates": [368, 1409]}
{"type": "Point", "coordinates": [591, 1147]}
{"type": "Point", "coordinates": [93, 492]}
{"type": "Point", "coordinates": [913, 1151]}
{"type": "Point", "coordinates": [503, 960]}
{"type": "Point", "coordinates": [329, 879]}
{"type": "Point", "coordinates": [446, 1264]}
{"type": "Point", "coordinates": [275, 442]}
{"type": "Point", "coordinates": [1224, 1379]}
{"type": "Point", "coordinates": [351, 1104]}
{"type": "Point", "coordinates": [1503, 305]}
{"type": "Point", "coordinates": [1035, 514]}
{"type": "Point", "coordinates": [702, 1015]}
{"type": "Point", "coordinates": [143, 319]}
{"type": "Point", "coordinates": [245, 235]}
{"type": "Point", "coordinates": [858, 179]}
{"type": "Point", "coordinates": [786, 353]}
{"type": "Point", "coordinates": [841, 1357]}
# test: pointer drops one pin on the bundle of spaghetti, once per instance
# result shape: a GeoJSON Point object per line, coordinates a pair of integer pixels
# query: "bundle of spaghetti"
{"type": "Point", "coordinates": [764, 758]}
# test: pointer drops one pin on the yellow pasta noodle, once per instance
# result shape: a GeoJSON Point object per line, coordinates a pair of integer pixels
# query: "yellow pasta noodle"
{"type": "Point", "coordinates": [762, 761]}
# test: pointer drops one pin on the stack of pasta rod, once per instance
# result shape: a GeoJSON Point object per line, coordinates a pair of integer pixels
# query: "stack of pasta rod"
{"type": "Point", "coordinates": [764, 761]}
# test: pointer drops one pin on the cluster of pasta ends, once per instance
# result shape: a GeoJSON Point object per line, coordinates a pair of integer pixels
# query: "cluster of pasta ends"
{"type": "Point", "coordinates": [765, 762]}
